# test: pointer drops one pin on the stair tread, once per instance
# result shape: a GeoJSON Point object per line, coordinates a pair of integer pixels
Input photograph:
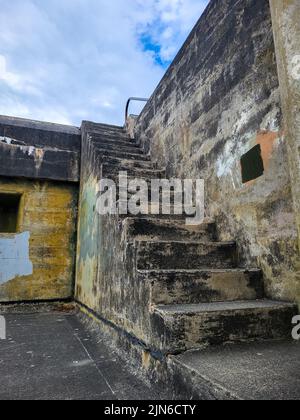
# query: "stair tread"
{"type": "Point", "coordinates": [188, 243]}
{"type": "Point", "coordinates": [124, 161]}
{"type": "Point", "coordinates": [158, 220]}
{"type": "Point", "coordinates": [93, 125]}
{"type": "Point", "coordinates": [137, 156]}
{"type": "Point", "coordinates": [121, 154]}
{"type": "Point", "coordinates": [200, 271]}
{"type": "Point", "coordinates": [97, 138]}
{"type": "Point", "coordinates": [176, 223]}
{"type": "Point", "coordinates": [116, 168]}
{"type": "Point", "coordinates": [113, 141]}
{"type": "Point", "coordinates": [187, 309]}
{"type": "Point", "coordinates": [168, 217]}
{"type": "Point", "coordinates": [114, 147]}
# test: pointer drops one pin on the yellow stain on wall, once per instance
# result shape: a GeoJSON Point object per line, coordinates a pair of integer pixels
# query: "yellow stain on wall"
{"type": "Point", "coordinates": [48, 211]}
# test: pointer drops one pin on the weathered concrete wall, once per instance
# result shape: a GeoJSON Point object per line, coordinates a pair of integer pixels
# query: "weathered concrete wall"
{"type": "Point", "coordinates": [38, 150]}
{"type": "Point", "coordinates": [106, 280]}
{"type": "Point", "coordinates": [219, 98]}
{"type": "Point", "coordinates": [37, 262]}
{"type": "Point", "coordinates": [286, 28]}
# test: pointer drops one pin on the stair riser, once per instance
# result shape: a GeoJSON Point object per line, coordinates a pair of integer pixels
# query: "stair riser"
{"type": "Point", "coordinates": [154, 209]}
{"type": "Point", "coordinates": [162, 197]}
{"type": "Point", "coordinates": [110, 141]}
{"type": "Point", "coordinates": [186, 256]}
{"type": "Point", "coordinates": [111, 133]}
{"type": "Point", "coordinates": [168, 218]}
{"type": "Point", "coordinates": [119, 148]}
{"type": "Point", "coordinates": [182, 333]}
{"type": "Point", "coordinates": [120, 154]}
{"type": "Point", "coordinates": [168, 289]}
{"type": "Point", "coordinates": [104, 129]}
{"type": "Point", "coordinates": [127, 164]}
{"type": "Point", "coordinates": [132, 173]}
{"type": "Point", "coordinates": [170, 231]}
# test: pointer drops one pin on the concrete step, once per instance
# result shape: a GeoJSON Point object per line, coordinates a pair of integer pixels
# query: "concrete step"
{"type": "Point", "coordinates": [154, 209]}
{"type": "Point", "coordinates": [127, 163]}
{"type": "Point", "coordinates": [169, 287]}
{"type": "Point", "coordinates": [132, 173]}
{"type": "Point", "coordinates": [114, 147]}
{"type": "Point", "coordinates": [184, 327]}
{"type": "Point", "coordinates": [98, 127]}
{"type": "Point", "coordinates": [185, 255]}
{"type": "Point", "coordinates": [170, 218]}
{"type": "Point", "coordinates": [250, 371]}
{"type": "Point", "coordinates": [164, 197]}
{"type": "Point", "coordinates": [98, 140]}
{"type": "Point", "coordinates": [107, 130]}
{"type": "Point", "coordinates": [121, 154]}
{"type": "Point", "coordinates": [158, 229]}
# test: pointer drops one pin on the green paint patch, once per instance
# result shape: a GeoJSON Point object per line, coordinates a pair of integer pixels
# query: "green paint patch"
{"type": "Point", "coordinates": [252, 164]}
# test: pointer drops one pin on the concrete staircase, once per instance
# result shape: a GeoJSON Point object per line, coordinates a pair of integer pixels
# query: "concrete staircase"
{"type": "Point", "coordinates": [199, 296]}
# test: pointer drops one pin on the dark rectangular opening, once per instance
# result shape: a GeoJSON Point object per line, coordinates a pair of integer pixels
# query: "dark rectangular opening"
{"type": "Point", "coordinates": [9, 212]}
{"type": "Point", "coordinates": [252, 164]}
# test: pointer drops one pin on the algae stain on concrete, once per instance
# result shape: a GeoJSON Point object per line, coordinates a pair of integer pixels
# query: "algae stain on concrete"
{"type": "Point", "coordinates": [14, 257]}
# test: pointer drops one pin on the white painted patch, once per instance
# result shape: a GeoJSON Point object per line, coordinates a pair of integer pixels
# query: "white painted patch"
{"type": "Point", "coordinates": [31, 151]}
{"type": "Point", "coordinates": [294, 67]}
{"type": "Point", "coordinates": [14, 257]}
{"type": "Point", "coordinates": [6, 140]}
{"type": "Point", "coordinates": [230, 158]}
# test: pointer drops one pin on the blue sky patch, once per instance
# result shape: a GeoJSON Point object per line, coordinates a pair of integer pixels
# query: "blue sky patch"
{"type": "Point", "coordinates": [73, 60]}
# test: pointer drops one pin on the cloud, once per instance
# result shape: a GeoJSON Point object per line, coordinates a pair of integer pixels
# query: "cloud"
{"type": "Point", "coordinates": [168, 26]}
{"type": "Point", "coordinates": [10, 78]}
{"type": "Point", "coordinates": [64, 61]}
{"type": "Point", "coordinates": [17, 82]}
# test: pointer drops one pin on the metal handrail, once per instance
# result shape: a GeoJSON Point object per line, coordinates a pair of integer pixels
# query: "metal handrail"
{"type": "Point", "coordinates": [128, 103]}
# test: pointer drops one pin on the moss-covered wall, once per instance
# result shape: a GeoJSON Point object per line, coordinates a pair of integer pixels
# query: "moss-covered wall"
{"type": "Point", "coordinates": [37, 262]}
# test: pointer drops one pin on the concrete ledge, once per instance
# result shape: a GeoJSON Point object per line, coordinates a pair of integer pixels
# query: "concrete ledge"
{"type": "Point", "coordinates": [38, 150]}
{"type": "Point", "coordinates": [264, 371]}
{"type": "Point", "coordinates": [38, 125]}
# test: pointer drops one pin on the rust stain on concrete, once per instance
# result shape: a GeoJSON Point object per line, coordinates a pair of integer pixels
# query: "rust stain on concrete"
{"type": "Point", "coordinates": [266, 140]}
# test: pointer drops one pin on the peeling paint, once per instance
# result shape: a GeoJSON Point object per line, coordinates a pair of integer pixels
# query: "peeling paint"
{"type": "Point", "coordinates": [229, 159]}
{"type": "Point", "coordinates": [14, 257]}
{"type": "Point", "coordinates": [36, 153]}
{"type": "Point", "coordinates": [6, 140]}
{"type": "Point", "coordinates": [267, 141]}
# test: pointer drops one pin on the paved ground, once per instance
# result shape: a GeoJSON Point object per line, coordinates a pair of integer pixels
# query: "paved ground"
{"type": "Point", "coordinates": [51, 356]}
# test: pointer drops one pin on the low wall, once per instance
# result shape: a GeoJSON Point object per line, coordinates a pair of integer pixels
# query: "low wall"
{"type": "Point", "coordinates": [38, 150]}
{"type": "Point", "coordinates": [219, 99]}
{"type": "Point", "coordinates": [106, 280]}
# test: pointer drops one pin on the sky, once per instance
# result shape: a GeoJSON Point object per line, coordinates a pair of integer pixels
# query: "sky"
{"type": "Point", "coordinates": [65, 61]}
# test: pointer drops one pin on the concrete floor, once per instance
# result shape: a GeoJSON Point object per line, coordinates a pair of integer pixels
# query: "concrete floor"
{"type": "Point", "coordinates": [52, 357]}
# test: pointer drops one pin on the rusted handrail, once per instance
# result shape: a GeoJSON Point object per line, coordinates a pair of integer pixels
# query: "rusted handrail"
{"type": "Point", "coordinates": [128, 103]}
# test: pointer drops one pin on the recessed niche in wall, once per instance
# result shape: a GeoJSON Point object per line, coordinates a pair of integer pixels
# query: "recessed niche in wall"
{"type": "Point", "coordinates": [252, 164]}
{"type": "Point", "coordinates": [9, 212]}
